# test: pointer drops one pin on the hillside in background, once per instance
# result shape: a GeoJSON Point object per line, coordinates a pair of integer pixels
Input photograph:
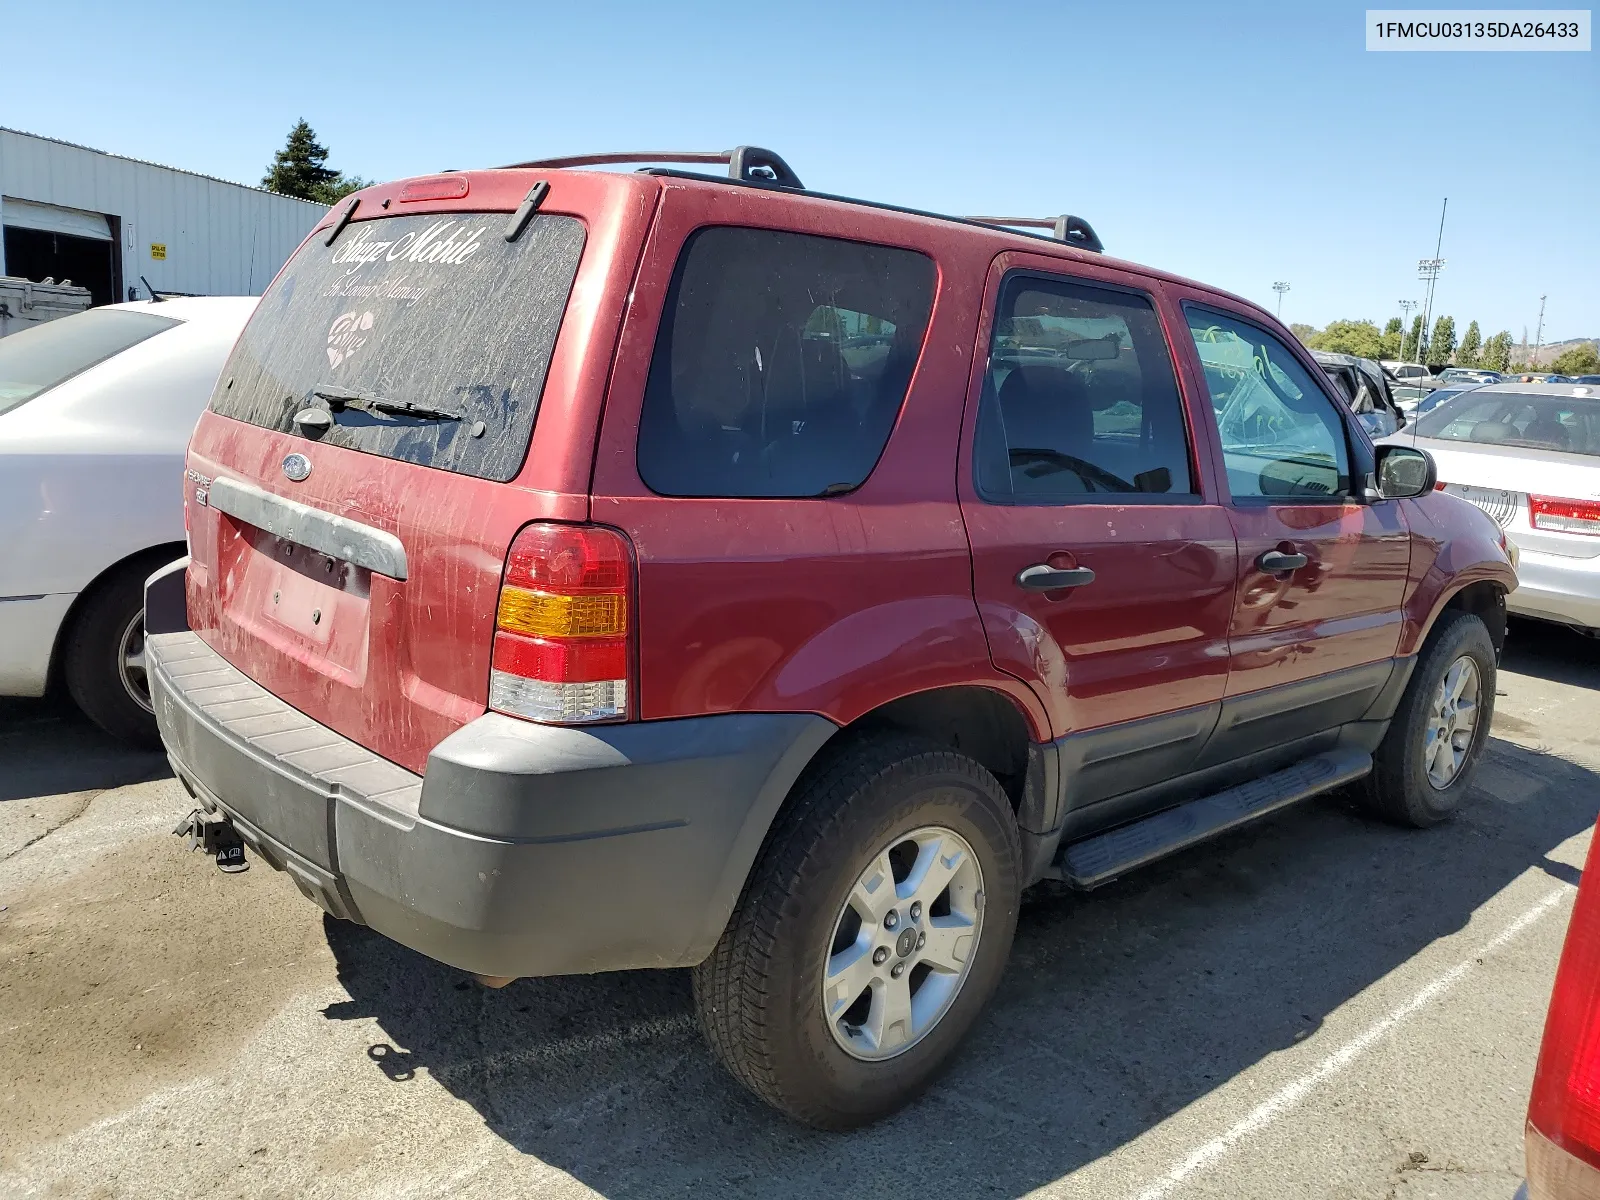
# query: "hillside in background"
{"type": "Point", "coordinates": [1550, 351]}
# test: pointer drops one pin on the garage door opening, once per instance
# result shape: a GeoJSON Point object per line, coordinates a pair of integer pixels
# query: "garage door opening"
{"type": "Point", "coordinates": [43, 242]}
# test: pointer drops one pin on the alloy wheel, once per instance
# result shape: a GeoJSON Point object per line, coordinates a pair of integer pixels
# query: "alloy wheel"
{"type": "Point", "coordinates": [903, 943]}
{"type": "Point", "coordinates": [131, 662]}
{"type": "Point", "coordinates": [1452, 722]}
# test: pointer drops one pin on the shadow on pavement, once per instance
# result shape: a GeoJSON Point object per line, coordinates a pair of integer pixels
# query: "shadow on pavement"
{"type": "Point", "coordinates": [1117, 1010]}
{"type": "Point", "coordinates": [1552, 652]}
{"type": "Point", "coordinates": [48, 748]}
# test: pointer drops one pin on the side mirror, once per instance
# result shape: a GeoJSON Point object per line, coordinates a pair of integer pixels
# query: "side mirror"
{"type": "Point", "coordinates": [1404, 471]}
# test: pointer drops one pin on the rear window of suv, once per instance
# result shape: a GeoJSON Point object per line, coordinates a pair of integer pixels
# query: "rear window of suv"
{"type": "Point", "coordinates": [781, 363]}
{"type": "Point", "coordinates": [32, 361]}
{"type": "Point", "coordinates": [437, 312]}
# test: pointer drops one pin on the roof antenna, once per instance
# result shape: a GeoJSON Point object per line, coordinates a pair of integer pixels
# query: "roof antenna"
{"type": "Point", "coordinates": [155, 297]}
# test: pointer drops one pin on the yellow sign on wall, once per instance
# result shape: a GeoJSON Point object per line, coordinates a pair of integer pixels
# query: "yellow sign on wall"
{"type": "Point", "coordinates": [158, 249]}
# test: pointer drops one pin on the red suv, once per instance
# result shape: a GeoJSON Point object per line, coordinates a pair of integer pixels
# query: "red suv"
{"type": "Point", "coordinates": [595, 570]}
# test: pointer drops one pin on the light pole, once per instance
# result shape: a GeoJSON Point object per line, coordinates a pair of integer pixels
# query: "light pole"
{"type": "Point", "coordinates": [1405, 324]}
{"type": "Point", "coordinates": [1280, 287]}
{"type": "Point", "coordinates": [1428, 270]}
{"type": "Point", "coordinates": [1538, 338]}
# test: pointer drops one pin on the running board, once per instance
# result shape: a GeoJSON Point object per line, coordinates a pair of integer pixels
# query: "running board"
{"type": "Point", "coordinates": [1103, 857]}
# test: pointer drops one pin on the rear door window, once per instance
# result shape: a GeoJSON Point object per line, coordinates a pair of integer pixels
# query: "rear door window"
{"type": "Point", "coordinates": [781, 363]}
{"type": "Point", "coordinates": [425, 337]}
{"type": "Point", "coordinates": [32, 361]}
{"type": "Point", "coordinates": [1080, 402]}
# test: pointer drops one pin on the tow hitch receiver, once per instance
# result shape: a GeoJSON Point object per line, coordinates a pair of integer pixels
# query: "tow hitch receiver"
{"type": "Point", "coordinates": [216, 836]}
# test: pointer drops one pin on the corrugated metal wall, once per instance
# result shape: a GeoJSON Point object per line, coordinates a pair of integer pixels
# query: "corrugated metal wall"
{"type": "Point", "coordinates": [221, 239]}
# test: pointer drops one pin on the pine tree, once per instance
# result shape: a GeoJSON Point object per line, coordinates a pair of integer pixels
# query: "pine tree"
{"type": "Point", "coordinates": [1470, 351]}
{"type": "Point", "coordinates": [301, 169]}
{"type": "Point", "coordinates": [1409, 348]}
{"type": "Point", "coordinates": [1497, 352]}
{"type": "Point", "coordinates": [1443, 342]}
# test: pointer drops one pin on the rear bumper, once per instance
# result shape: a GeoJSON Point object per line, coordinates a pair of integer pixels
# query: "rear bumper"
{"type": "Point", "coordinates": [28, 629]}
{"type": "Point", "coordinates": [1556, 587]}
{"type": "Point", "coordinates": [526, 849]}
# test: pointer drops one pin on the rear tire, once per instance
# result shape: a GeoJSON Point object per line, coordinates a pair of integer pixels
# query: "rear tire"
{"type": "Point", "coordinates": [1426, 761]}
{"type": "Point", "coordinates": [103, 659]}
{"type": "Point", "coordinates": [916, 809]}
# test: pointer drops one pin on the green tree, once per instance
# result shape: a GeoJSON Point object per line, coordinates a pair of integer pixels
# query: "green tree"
{"type": "Point", "coordinates": [301, 169]}
{"type": "Point", "coordinates": [1443, 342]}
{"type": "Point", "coordinates": [1360, 338]}
{"type": "Point", "coordinates": [1304, 332]}
{"type": "Point", "coordinates": [1408, 350]}
{"type": "Point", "coordinates": [1496, 354]}
{"type": "Point", "coordinates": [1393, 335]}
{"type": "Point", "coordinates": [1471, 348]}
{"type": "Point", "coordinates": [1582, 359]}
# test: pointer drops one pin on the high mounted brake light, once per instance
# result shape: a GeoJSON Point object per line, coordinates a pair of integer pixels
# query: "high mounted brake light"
{"type": "Point", "coordinates": [435, 187]}
{"type": "Point", "coordinates": [1566, 516]}
{"type": "Point", "coordinates": [1565, 1108]}
{"type": "Point", "coordinates": [562, 628]}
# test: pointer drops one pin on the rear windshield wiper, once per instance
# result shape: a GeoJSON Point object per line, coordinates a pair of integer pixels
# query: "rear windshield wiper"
{"type": "Point", "coordinates": [337, 398]}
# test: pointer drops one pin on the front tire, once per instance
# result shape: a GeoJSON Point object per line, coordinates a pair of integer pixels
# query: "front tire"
{"type": "Point", "coordinates": [1427, 759]}
{"type": "Point", "coordinates": [104, 664]}
{"type": "Point", "coordinates": [874, 927]}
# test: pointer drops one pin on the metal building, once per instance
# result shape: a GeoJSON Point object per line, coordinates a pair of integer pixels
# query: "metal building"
{"type": "Point", "coordinates": [110, 224]}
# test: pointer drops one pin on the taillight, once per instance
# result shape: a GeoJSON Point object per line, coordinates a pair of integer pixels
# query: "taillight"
{"type": "Point", "coordinates": [561, 642]}
{"type": "Point", "coordinates": [1440, 485]}
{"type": "Point", "coordinates": [1566, 516]}
{"type": "Point", "coordinates": [1565, 1106]}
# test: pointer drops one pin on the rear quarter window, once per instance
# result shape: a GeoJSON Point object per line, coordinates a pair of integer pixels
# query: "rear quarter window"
{"type": "Point", "coordinates": [437, 311]}
{"type": "Point", "coordinates": [781, 363]}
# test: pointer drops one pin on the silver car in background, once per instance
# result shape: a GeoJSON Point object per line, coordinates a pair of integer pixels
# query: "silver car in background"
{"type": "Point", "coordinates": [1528, 454]}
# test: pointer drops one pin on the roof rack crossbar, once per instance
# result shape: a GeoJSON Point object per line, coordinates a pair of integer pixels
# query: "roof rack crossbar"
{"type": "Point", "coordinates": [748, 164]}
{"type": "Point", "coordinates": [1075, 231]}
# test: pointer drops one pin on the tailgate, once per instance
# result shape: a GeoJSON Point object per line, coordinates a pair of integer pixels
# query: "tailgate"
{"type": "Point", "coordinates": [376, 441]}
{"type": "Point", "coordinates": [367, 600]}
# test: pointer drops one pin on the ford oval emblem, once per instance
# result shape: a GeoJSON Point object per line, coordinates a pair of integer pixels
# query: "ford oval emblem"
{"type": "Point", "coordinates": [297, 467]}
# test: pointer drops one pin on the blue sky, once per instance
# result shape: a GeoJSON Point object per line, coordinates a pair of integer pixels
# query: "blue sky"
{"type": "Point", "coordinates": [1236, 143]}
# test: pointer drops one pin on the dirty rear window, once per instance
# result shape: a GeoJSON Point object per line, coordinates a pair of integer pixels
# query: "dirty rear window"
{"type": "Point", "coordinates": [424, 338]}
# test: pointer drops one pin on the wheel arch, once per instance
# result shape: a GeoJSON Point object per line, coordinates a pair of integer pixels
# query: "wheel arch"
{"type": "Point", "coordinates": [1485, 599]}
{"type": "Point", "coordinates": [150, 558]}
{"type": "Point", "coordinates": [984, 723]}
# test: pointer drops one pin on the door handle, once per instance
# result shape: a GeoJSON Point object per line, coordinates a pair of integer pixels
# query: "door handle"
{"type": "Point", "coordinates": [1044, 578]}
{"type": "Point", "coordinates": [1276, 562]}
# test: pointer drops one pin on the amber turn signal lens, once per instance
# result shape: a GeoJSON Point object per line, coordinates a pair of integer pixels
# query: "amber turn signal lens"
{"type": "Point", "coordinates": [544, 614]}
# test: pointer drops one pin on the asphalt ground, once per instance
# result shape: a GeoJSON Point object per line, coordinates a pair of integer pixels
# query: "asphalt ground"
{"type": "Point", "coordinates": [1317, 1006]}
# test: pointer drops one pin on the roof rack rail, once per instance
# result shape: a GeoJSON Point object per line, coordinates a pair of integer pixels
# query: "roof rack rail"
{"type": "Point", "coordinates": [1075, 231]}
{"type": "Point", "coordinates": [754, 166]}
{"type": "Point", "coordinates": [747, 164]}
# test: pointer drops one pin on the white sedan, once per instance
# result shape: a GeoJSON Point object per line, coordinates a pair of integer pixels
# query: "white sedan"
{"type": "Point", "coordinates": [1528, 454]}
{"type": "Point", "coordinates": [95, 414]}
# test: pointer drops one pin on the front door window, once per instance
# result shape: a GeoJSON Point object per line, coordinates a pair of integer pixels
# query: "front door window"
{"type": "Point", "coordinates": [1281, 435]}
